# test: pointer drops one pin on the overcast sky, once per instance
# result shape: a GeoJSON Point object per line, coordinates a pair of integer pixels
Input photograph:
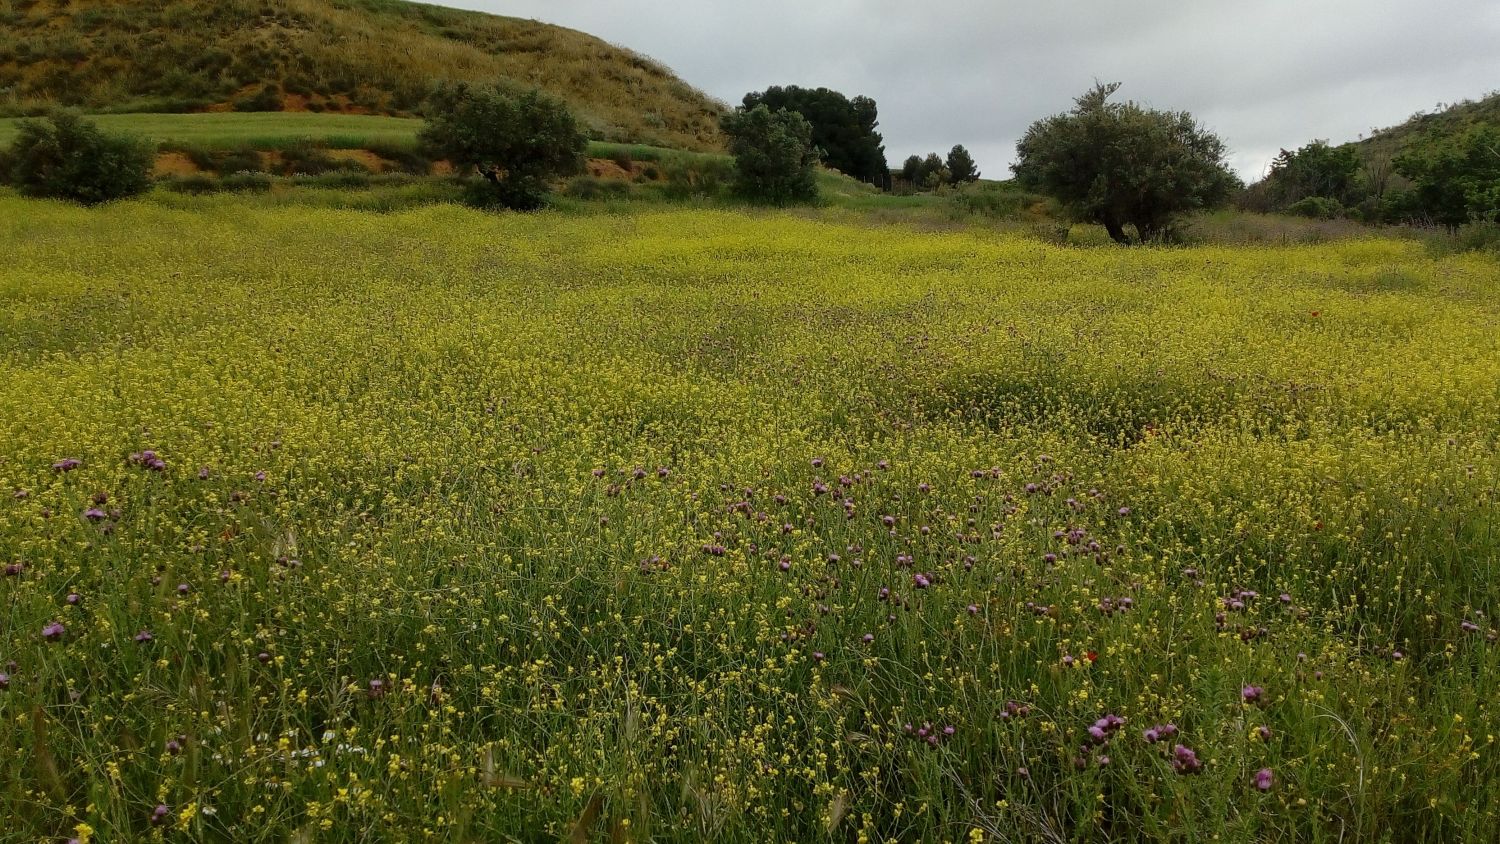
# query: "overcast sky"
{"type": "Point", "coordinates": [1264, 74]}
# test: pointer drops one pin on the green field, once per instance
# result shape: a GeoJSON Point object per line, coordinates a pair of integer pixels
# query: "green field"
{"type": "Point", "coordinates": [260, 130]}
{"type": "Point", "coordinates": [738, 526]}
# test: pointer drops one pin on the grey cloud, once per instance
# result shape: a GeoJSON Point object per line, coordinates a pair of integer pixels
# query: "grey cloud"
{"type": "Point", "coordinates": [1264, 74]}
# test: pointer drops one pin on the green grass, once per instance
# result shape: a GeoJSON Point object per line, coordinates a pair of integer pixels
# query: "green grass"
{"type": "Point", "coordinates": [260, 130]}
{"type": "Point", "coordinates": [495, 527]}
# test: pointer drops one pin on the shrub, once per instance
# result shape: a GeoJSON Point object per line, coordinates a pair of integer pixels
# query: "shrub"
{"type": "Point", "coordinates": [1317, 208]}
{"type": "Point", "coordinates": [242, 160]}
{"type": "Point", "coordinates": [517, 144]}
{"type": "Point", "coordinates": [308, 160]}
{"type": "Point", "coordinates": [195, 184]}
{"type": "Point", "coordinates": [1120, 164]}
{"type": "Point", "coordinates": [773, 155]}
{"type": "Point", "coordinates": [267, 98]}
{"type": "Point", "coordinates": [67, 157]}
{"type": "Point", "coordinates": [246, 182]}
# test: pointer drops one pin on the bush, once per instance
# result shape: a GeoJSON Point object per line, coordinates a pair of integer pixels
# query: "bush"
{"type": "Point", "coordinates": [774, 155]}
{"type": "Point", "coordinates": [517, 144]}
{"type": "Point", "coordinates": [67, 157]}
{"type": "Point", "coordinates": [267, 98]}
{"type": "Point", "coordinates": [195, 185]}
{"type": "Point", "coordinates": [308, 160]}
{"type": "Point", "coordinates": [242, 160]}
{"type": "Point", "coordinates": [246, 182]}
{"type": "Point", "coordinates": [1316, 208]}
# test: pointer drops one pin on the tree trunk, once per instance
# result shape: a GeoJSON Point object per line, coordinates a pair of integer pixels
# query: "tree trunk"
{"type": "Point", "coordinates": [1116, 232]}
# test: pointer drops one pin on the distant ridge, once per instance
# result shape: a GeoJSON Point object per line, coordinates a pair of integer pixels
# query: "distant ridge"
{"type": "Point", "coordinates": [352, 56]}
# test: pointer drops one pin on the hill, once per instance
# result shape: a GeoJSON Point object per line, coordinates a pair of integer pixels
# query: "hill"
{"type": "Point", "coordinates": [1424, 127]}
{"type": "Point", "coordinates": [343, 56]}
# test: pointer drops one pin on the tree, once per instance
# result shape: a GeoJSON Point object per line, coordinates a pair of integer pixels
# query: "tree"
{"type": "Point", "coordinates": [932, 172]}
{"type": "Point", "coordinates": [961, 167]}
{"type": "Point", "coordinates": [911, 170]}
{"type": "Point", "coordinates": [519, 145]}
{"type": "Point", "coordinates": [1455, 182]}
{"type": "Point", "coordinates": [1316, 170]}
{"type": "Point", "coordinates": [1120, 164]}
{"type": "Point", "coordinates": [67, 157]}
{"type": "Point", "coordinates": [843, 130]}
{"type": "Point", "coordinates": [774, 157]}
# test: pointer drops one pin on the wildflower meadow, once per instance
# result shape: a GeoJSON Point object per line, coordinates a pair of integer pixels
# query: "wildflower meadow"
{"type": "Point", "coordinates": [697, 525]}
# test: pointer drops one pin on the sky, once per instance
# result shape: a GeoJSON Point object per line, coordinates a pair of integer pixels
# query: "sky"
{"type": "Point", "coordinates": [1263, 74]}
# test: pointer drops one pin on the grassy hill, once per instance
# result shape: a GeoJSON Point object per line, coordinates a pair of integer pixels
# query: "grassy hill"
{"type": "Point", "coordinates": [330, 56]}
{"type": "Point", "coordinates": [1424, 127]}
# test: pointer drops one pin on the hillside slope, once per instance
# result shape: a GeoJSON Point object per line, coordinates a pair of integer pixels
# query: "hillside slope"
{"type": "Point", "coordinates": [1424, 127]}
{"type": "Point", "coordinates": [352, 56]}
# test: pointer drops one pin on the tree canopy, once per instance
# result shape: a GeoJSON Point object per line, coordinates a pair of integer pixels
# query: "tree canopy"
{"type": "Point", "coordinates": [774, 157]}
{"type": "Point", "coordinates": [961, 166]}
{"type": "Point", "coordinates": [1456, 182]}
{"type": "Point", "coordinates": [517, 143]}
{"type": "Point", "coordinates": [1122, 164]}
{"type": "Point", "coordinates": [843, 129]}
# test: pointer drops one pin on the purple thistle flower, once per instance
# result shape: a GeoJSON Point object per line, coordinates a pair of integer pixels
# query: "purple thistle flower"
{"type": "Point", "coordinates": [1253, 694]}
{"type": "Point", "coordinates": [73, 599]}
{"type": "Point", "coordinates": [1263, 779]}
{"type": "Point", "coordinates": [973, 609]}
{"type": "Point", "coordinates": [67, 464]}
{"type": "Point", "coordinates": [377, 688]}
{"type": "Point", "coordinates": [161, 814]}
{"type": "Point", "coordinates": [1264, 732]}
{"type": "Point", "coordinates": [920, 581]}
{"type": "Point", "coordinates": [143, 637]}
{"type": "Point", "coordinates": [4, 681]}
{"type": "Point", "coordinates": [94, 514]}
{"type": "Point", "coordinates": [1185, 761]}
{"type": "Point", "coordinates": [868, 638]}
{"type": "Point", "coordinates": [260, 476]}
{"type": "Point", "coordinates": [54, 631]}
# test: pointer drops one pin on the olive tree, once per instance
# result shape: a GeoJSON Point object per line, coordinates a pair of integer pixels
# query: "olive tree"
{"type": "Point", "coordinates": [1120, 164]}
{"type": "Point", "coordinates": [517, 144]}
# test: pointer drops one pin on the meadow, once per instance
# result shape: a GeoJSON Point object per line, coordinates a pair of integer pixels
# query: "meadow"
{"type": "Point", "coordinates": [683, 525]}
